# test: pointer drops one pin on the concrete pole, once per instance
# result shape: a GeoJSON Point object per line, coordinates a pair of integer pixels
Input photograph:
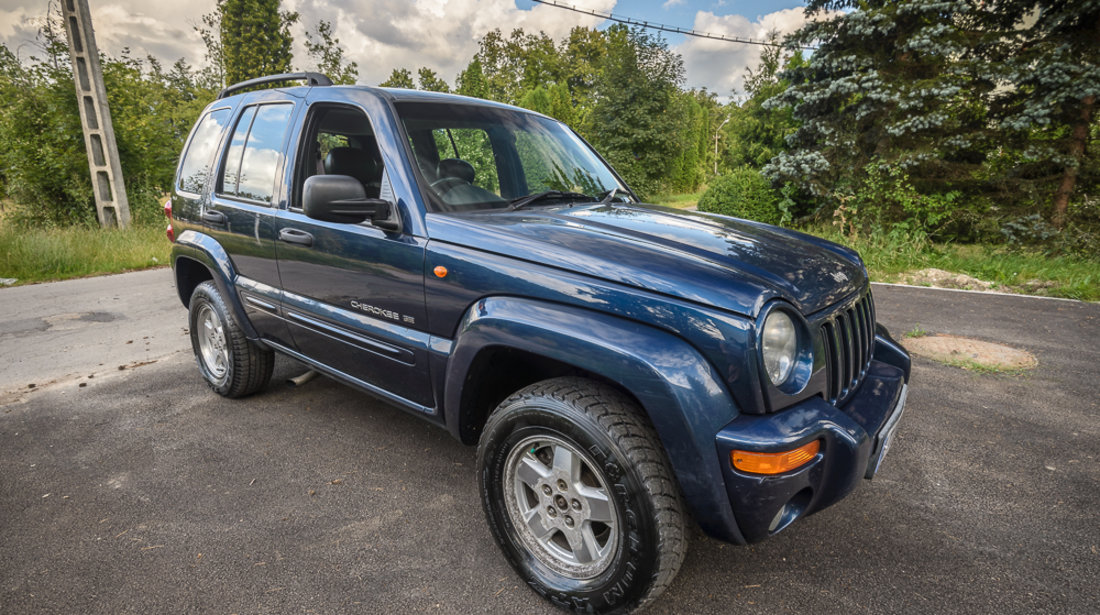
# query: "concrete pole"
{"type": "Point", "coordinates": [112, 207]}
{"type": "Point", "coordinates": [716, 133]}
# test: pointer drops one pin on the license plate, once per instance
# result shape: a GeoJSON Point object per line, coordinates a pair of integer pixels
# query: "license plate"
{"type": "Point", "coordinates": [886, 434]}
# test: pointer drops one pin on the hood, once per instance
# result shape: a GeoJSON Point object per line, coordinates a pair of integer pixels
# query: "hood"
{"type": "Point", "coordinates": [732, 264]}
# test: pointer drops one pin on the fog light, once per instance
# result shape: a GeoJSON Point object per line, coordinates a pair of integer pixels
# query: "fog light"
{"type": "Point", "coordinates": [775, 463]}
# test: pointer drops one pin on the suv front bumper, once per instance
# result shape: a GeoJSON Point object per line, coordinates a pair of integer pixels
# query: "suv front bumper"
{"type": "Point", "coordinates": [854, 438]}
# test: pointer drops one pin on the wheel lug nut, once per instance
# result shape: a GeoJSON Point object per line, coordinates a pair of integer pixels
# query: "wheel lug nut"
{"type": "Point", "coordinates": [553, 512]}
{"type": "Point", "coordinates": [547, 490]}
{"type": "Point", "coordinates": [576, 504]}
{"type": "Point", "coordinates": [562, 485]}
{"type": "Point", "coordinates": [568, 521]}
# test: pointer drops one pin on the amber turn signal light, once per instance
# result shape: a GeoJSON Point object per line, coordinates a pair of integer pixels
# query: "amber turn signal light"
{"type": "Point", "coordinates": [775, 463]}
{"type": "Point", "coordinates": [440, 271]}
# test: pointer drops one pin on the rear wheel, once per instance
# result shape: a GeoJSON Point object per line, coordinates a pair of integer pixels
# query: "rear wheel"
{"type": "Point", "coordinates": [580, 497]}
{"type": "Point", "coordinates": [231, 364]}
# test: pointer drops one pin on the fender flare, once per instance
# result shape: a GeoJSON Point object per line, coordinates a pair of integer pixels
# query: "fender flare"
{"type": "Point", "coordinates": [206, 251]}
{"type": "Point", "coordinates": [680, 392]}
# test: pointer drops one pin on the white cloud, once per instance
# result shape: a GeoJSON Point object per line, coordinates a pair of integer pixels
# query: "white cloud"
{"type": "Point", "coordinates": [163, 30]}
{"type": "Point", "coordinates": [378, 34]}
{"type": "Point", "coordinates": [441, 34]}
{"type": "Point", "coordinates": [671, 3]}
{"type": "Point", "coordinates": [164, 36]}
{"type": "Point", "coordinates": [381, 35]}
{"type": "Point", "coordinates": [720, 66]}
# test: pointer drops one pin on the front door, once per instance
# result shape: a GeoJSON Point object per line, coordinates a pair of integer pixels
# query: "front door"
{"type": "Point", "coordinates": [353, 294]}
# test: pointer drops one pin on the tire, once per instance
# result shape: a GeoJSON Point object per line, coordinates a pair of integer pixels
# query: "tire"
{"type": "Point", "coordinates": [580, 497]}
{"type": "Point", "coordinates": [231, 364]}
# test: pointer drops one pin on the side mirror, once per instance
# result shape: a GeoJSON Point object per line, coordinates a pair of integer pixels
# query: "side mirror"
{"type": "Point", "coordinates": [341, 198]}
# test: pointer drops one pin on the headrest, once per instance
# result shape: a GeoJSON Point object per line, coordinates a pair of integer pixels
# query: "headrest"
{"type": "Point", "coordinates": [351, 161]}
{"type": "Point", "coordinates": [454, 167]}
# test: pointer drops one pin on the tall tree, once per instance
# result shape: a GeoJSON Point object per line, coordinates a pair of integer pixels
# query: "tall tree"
{"type": "Point", "coordinates": [248, 38]}
{"type": "Point", "coordinates": [471, 81]}
{"type": "Point", "coordinates": [891, 83]}
{"type": "Point", "coordinates": [1051, 56]}
{"type": "Point", "coordinates": [328, 55]}
{"type": "Point", "coordinates": [399, 78]}
{"type": "Point", "coordinates": [958, 97]}
{"type": "Point", "coordinates": [513, 66]}
{"type": "Point", "coordinates": [583, 53]}
{"type": "Point", "coordinates": [757, 132]}
{"type": "Point", "coordinates": [553, 101]}
{"type": "Point", "coordinates": [635, 121]}
{"type": "Point", "coordinates": [430, 81]}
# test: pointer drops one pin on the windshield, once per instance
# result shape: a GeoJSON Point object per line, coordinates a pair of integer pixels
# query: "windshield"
{"type": "Point", "coordinates": [474, 157]}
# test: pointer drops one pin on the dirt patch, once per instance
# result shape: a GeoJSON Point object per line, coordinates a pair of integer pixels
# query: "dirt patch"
{"type": "Point", "coordinates": [972, 353]}
{"type": "Point", "coordinates": [944, 279]}
{"type": "Point", "coordinates": [22, 393]}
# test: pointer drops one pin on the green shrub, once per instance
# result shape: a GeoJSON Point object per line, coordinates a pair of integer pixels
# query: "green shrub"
{"type": "Point", "coordinates": [886, 198]}
{"type": "Point", "coordinates": [1080, 238]}
{"type": "Point", "coordinates": [43, 160]}
{"type": "Point", "coordinates": [745, 193]}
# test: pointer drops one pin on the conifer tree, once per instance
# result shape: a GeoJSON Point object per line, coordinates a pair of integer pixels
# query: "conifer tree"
{"type": "Point", "coordinates": [246, 39]}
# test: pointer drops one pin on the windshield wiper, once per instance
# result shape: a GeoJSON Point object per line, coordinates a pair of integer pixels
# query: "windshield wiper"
{"type": "Point", "coordinates": [609, 195]}
{"type": "Point", "coordinates": [549, 194]}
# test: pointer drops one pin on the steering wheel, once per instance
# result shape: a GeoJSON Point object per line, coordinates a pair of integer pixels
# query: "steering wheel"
{"type": "Point", "coordinates": [444, 185]}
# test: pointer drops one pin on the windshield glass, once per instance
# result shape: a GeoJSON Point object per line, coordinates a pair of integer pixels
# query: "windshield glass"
{"type": "Point", "coordinates": [474, 157]}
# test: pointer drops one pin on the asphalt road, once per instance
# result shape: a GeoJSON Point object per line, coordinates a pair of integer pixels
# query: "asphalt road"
{"type": "Point", "coordinates": [82, 327]}
{"type": "Point", "coordinates": [141, 491]}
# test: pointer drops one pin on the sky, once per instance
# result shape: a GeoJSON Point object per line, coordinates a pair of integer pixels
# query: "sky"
{"type": "Point", "coordinates": [441, 34]}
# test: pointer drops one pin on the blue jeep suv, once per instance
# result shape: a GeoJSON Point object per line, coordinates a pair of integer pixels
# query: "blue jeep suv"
{"type": "Point", "coordinates": [621, 367]}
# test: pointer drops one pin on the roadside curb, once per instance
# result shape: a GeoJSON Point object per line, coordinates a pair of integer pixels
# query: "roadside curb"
{"type": "Point", "coordinates": [984, 292]}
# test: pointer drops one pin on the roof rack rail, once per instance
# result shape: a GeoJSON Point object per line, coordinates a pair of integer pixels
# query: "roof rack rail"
{"type": "Point", "coordinates": [311, 79]}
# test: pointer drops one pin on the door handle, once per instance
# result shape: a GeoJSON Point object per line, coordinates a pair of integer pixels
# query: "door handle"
{"type": "Point", "coordinates": [213, 216]}
{"type": "Point", "coordinates": [293, 235]}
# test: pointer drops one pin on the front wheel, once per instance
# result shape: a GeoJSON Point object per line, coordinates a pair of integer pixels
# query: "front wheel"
{"type": "Point", "coordinates": [231, 364]}
{"type": "Point", "coordinates": [579, 495]}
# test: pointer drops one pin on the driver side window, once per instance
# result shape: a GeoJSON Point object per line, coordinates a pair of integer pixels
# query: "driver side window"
{"type": "Point", "coordinates": [341, 141]}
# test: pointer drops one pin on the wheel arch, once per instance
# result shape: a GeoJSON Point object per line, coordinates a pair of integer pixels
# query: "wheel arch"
{"type": "Point", "coordinates": [196, 258]}
{"type": "Point", "coordinates": [679, 392]}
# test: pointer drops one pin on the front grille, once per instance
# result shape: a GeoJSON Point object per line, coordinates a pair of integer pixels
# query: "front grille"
{"type": "Point", "coordinates": [849, 337]}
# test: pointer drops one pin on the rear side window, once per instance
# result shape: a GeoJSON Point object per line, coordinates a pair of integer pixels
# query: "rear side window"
{"type": "Point", "coordinates": [196, 160]}
{"type": "Point", "coordinates": [254, 153]}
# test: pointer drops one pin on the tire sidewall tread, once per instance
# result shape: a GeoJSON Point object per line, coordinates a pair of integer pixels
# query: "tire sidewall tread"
{"type": "Point", "coordinates": [619, 439]}
{"type": "Point", "coordinates": [249, 367]}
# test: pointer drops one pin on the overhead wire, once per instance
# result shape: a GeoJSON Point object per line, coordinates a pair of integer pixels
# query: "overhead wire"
{"type": "Point", "coordinates": [665, 28]}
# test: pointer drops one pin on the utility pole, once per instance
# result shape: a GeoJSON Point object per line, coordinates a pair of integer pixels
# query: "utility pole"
{"type": "Point", "coordinates": [112, 207]}
{"type": "Point", "coordinates": [716, 133]}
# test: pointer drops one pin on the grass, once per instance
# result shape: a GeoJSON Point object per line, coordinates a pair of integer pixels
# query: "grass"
{"type": "Point", "coordinates": [1008, 268]}
{"type": "Point", "coordinates": [977, 367]}
{"type": "Point", "coordinates": [41, 255]}
{"type": "Point", "coordinates": [679, 201]}
{"type": "Point", "coordinates": [915, 332]}
{"type": "Point", "coordinates": [33, 255]}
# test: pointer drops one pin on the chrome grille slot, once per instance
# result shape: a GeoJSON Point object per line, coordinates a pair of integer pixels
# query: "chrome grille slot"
{"type": "Point", "coordinates": [848, 339]}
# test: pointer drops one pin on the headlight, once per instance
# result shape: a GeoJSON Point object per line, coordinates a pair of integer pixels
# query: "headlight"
{"type": "Point", "coordinates": [779, 343]}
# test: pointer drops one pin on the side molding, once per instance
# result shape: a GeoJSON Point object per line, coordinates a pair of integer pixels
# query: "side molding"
{"type": "Point", "coordinates": [680, 392]}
